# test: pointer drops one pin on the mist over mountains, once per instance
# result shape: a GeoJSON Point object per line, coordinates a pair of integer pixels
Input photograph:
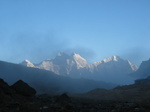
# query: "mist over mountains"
{"type": "Point", "coordinates": [73, 73]}
{"type": "Point", "coordinates": [46, 81]}
{"type": "Point", "coordinates": [112, 69]}
{"type": "Point", "coordinates": [98, 93]}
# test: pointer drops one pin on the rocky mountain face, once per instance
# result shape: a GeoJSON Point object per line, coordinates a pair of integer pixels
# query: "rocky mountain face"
{"type": "Point", "coordinates": [144, 70]}
{"type": "Point", "coordinates": [76, 66]}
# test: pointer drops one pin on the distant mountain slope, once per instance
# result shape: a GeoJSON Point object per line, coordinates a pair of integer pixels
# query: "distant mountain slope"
{"type": "Point", "coordinates": [113, 69]}
{"type": "Point", "coordinates": [144, 70]}
{"type": "Point", "coordinates": [45, 81]}
{"type": "Point", "coordinates": [143, 81]}
{"type": "Point", "coordinates": [138, 92]}
{"type": "Point", "coordinates": [115, 63]}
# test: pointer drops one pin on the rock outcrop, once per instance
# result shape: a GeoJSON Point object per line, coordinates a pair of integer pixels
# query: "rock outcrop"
{"type": "Point", "coordinates": [23, 88]}
{"type": "Point", "coordinates": [15, 98]}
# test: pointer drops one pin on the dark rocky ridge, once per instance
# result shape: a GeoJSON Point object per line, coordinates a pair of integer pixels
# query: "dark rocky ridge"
{"type": "Point", "coordinates": [5, 88]}
{"type": "Point", "coordinates": [137, 92]}
{"type": "Point", "coordinates": [23, 88]}
{"type": "Point", "coordinates": [131, 98]}
{"type": "Point", "coordinates": [143, 81]}
{"type": "Point", "coordinates": [11, 98]}
{"type": "Point", "coordinates": [20, 87]}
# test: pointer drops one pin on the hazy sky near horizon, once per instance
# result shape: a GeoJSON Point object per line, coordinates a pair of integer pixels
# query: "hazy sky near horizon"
{"type": "Point", "coordinates": [96, 29]}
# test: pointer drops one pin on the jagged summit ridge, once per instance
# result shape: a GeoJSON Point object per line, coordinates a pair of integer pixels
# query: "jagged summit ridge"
{"type": "Point", "coordinates": [115, 59]}
{"type": "Point", "coordinates": [112, 58]}
{"type": "Point", "coordinates": [109, 59]}
{"type": "Point", "coordinates": [76, 66]}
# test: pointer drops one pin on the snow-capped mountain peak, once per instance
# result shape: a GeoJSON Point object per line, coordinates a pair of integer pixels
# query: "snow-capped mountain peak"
{"type": "Point", "coordinates": [80, 61]}
{"type": "Point", "coordinates": [77, 57]}
{"type": "Point", "coordinates": [27, 63]}
{"type": "Point", "coordinates": [112, 58]}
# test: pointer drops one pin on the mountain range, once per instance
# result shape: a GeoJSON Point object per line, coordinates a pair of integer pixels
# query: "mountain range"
{"type": "Point", "coordinates": [46, 81]}
{"type": "Point", "coordinates": [92, 95]}
{"type": "Point", "coordinates": [112, 69]}
{"type": "Point", "coordinates": [88, 76]}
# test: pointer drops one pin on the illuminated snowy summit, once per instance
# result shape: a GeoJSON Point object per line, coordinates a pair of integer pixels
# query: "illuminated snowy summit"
{"type": "Point", "coordinates": [109, 59]}
{"type": "Point", "coordinates": [80, 61]}
{"type": "Point", "coordinates": [113, 58]}
{"type": "Point", "coordinates": [27, 63]}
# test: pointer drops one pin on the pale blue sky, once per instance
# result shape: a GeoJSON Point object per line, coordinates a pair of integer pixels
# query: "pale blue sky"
{"type": "Point", "coordinates": [96, 29]}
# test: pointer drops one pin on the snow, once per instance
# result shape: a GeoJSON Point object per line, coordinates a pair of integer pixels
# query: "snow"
{"type": "Point", "coordinates": [80, 61]}
{"type": "Point", "coordinates": [75, 65]}
{"type": "Point", "coordinates": [134, 67]}
{"type": "Point", "coordinates": [27, 63]}
{"type": "Point", "coordinates": [113, 58]}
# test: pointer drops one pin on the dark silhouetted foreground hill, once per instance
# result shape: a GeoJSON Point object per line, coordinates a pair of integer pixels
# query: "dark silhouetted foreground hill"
{"type": "Point", "coordinates": [11, 97]}
{"type": "Point", "coordinates": [23, 88]}
{"type": "Point", "coordinates": [132, 98]}
{"type": "Point", "coordinates": [138, 92]}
